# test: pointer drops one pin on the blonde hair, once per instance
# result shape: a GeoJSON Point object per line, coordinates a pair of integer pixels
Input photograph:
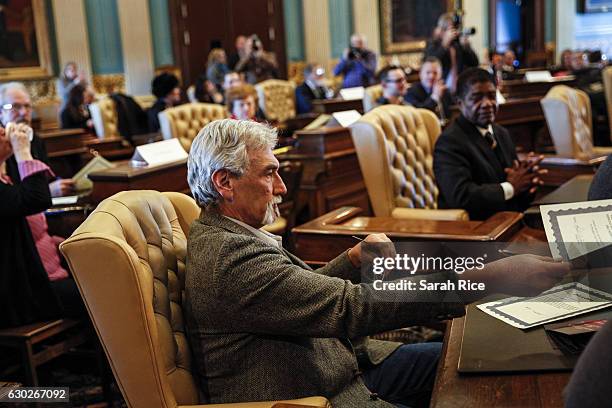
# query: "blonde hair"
{"type": "Point", "coordinates": [239, 93]}
{"type": "Point", "coordinates": [215, 56]}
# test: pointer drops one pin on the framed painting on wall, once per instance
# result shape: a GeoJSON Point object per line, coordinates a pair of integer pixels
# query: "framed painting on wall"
{"type": "Point", "coordinates": [24, 40]}
{"type": "Point", "coordinates": [406, 25]}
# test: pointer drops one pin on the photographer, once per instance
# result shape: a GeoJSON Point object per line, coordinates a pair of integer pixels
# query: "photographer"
{"type": "Point", "coordinates": [452, 47]}
{"type": "Point", "coordinates": [258, 65]}
{"type": "Point", "coordinates": [357, 64]}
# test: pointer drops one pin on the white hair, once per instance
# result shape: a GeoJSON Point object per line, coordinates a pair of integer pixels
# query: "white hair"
{"type": "Point", "coordinates": [11, 86]}
{"type": "Point", "coordinates": [224, 144]}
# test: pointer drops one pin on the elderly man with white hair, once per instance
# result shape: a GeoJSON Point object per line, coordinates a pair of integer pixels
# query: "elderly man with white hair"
{"type": "Point", "coordinates": [16, 107]}
{"type": "Point", "coordinates": [358, 64]}
{"type": "Point", "coordinates": [265, 326]}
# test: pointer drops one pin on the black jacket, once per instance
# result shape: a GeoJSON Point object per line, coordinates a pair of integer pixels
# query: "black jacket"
{"type": "Point", "coordinates": [304, 97]}
{"type": "Point", "coordinates": [469, 172]}
{"type": "Point", "coordinates": [131, 119]}
{"type": "Point", "coordinates": [466, 57]}
{"type": "Point", "coordinates": [418, 97]}
{"type": "Point", "coordinates": [601, 187]}
{"type": "Point", "coordinates": [25, 293]}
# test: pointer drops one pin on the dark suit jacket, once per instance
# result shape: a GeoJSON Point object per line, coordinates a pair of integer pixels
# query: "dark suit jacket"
{"type": "Point", "coordinates": [25, 292]}
{"type": "Point", "coordinates": [304, 97]}
{"type": "Point", "coordinates": [418, 97]}
{"type": "Point", "coordinates": [264, 326]}
{"type": "Point", "coordinates": [469, 172]}
{"type": "Point", "coordinates": [466, 57]}
{"type": "Point", "coordinates": [601, 188]}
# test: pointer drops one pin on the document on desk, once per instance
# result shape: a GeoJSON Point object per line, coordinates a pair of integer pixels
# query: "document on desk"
{"type": "Point", "coordinates": [560, 302]}
{"type": "Point", "coordinates": [577, 229]}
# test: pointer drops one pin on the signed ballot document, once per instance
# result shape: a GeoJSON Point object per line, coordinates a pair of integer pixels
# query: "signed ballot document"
{"type": "Point", "coordinates": [577, 229]}
{"type": "Point", "coordinates": [560, 302]}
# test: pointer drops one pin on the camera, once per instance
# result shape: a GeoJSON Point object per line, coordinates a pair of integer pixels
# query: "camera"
{"type": "Point", "coordinates": [458, 25]}
{"type": "Point", "coordinates": [354, 53]}
{"type": "Point", "coordinates": [256, 43]}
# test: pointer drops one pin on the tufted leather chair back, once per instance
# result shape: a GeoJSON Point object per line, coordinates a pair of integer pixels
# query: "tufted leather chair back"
{"type": "Point", "coordinates": [276, 99]}
{"type": "Point", "coordinates": [372, 93]}
{"type": "Point", "coordinates": [607, 80]}
{"type": "Point", "coordinates": [104, 117]}
{"type": "Point", "coordinates": [104, 114]}
{"type": "Point", "coordinates": [568, 115]}
{"type": "Point", "coordinates": [394, 145]}
{"type": "Point", "coordinates": [185, 121]}
{"type": "Point", "coordinates": [128, 260]}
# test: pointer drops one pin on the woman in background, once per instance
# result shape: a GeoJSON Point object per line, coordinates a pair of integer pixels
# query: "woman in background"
{"type": "Point", "coordinates": [69, 78]}
{"type": "Point", "coordinates": [75, 114]}
{"type": "Point", "coordinates": [216, 67]}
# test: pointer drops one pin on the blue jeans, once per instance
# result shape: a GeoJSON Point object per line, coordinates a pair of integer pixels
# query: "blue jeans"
{"type": "Point", "coordinates": [406, 378]}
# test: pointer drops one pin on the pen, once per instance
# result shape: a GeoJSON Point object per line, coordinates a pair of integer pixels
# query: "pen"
{"type": "Point", "coordinates": [356, 237]}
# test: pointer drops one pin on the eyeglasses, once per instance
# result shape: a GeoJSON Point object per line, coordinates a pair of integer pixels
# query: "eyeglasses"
{"type": "Point", "coordinates": [396, 81]}
{"type": "Point", "coordinates": [16, 107]}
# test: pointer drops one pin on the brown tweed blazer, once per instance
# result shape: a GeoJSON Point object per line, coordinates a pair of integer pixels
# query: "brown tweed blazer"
{"type": "Point", "coordinates": [264, 326]}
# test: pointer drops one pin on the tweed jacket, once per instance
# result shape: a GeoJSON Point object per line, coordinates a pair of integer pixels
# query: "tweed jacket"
{"type": "Point", "coordinates": [264, 326]}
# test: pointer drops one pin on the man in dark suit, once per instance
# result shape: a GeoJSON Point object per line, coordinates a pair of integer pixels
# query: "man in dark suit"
{"type": "Point", "coordinates": [265, 326]}
{"type": "Point", "coordinates": [431, 92]}
{"type": "Point", "coordinates": [312, 88]}
{"type": "Point", "coordinates": [475, 161]}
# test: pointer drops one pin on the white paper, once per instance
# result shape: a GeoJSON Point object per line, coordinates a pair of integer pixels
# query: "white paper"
{"type": "Point", "coordinates": [576, 229]}
{"type": "Point", "coordinates": [346, 118]}
{"type": "Point", "coordinates": [560, 302]}
{"type": "Point", "coordinates": [349, 94]}
{"type": "Point", "coordinates": [154, 154]}
{"type": "Point", "coordinates": [538, 76]}
{"type": "Point", "coordinates": [68, 200]}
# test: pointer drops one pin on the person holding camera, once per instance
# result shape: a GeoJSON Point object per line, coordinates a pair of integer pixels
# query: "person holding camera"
{"type": "Point", "coordinates": [257, 65]}
{"type": "Point", "coordinates": [451, 46]}
{"type": "Point", "coordinates": [358, 64]}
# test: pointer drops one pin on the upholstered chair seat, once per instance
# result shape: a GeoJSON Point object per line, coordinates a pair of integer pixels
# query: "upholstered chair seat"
{"type": "Point", "coordinates": [394, 146]}
{"type": "Point", "coordinates": [128, 260]}
{"type": "Point", "coordinates": [185, 121]}
{"type": "Point", "coordinates": [276, 99]}
{"type": "Point", "coordinates": [568, 115]}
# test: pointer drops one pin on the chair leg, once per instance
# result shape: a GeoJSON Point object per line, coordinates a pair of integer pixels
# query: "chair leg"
{"type": "Point", "coordinates": [31, 378]}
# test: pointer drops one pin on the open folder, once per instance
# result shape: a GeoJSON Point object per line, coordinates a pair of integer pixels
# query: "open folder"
{"type": "Point", "coordinates": [81, 181]}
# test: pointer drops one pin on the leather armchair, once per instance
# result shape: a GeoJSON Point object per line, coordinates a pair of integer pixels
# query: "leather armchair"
{"type": "Point", "coordinates": [128, 260]}
{"type": "Point", "coordinates": [276, 99]}
{"type": "Point", "coordinates": [104, 115]}
{"type": "Point", "coordinates": [372, 93]}
{"type": "Point", "coordinates": [185, 121]}
{"type": "Point", "coordinates": [568, 115]}
{"type": "Point", "coordinates": [394, 146]}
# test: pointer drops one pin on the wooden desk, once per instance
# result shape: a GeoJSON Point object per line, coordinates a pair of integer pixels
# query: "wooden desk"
{"type": "Point", "coordinates": [337, 105]}
{"type": "Point", "coordinates": [165, 177]}
{"type": "Point", "coordinates": [520, 88]}
{"type": "Point", "coordinates": [325, 237]}
{"type": "Point", "coordinates": [331, 175]}
{"type": "Point", "coordinates": [562, 169]}
{"type": "Point", "coordinates": [453, 390]}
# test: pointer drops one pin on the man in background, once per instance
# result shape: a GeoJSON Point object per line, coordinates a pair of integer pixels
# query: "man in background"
{"type": "Point", "coordinates": [312, 88]}
{"type": "Point", "coordinates": [166, 89]}
{"type": "Point", "coordinates": [394, 85]}
{"type": "Point", "coordinates": [358, 64]}
{"type": "Point", "coordinates": [431, 92]}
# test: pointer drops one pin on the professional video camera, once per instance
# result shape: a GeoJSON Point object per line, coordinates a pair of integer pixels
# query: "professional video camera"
{"type": "Point", "coordinates": [458, 24]}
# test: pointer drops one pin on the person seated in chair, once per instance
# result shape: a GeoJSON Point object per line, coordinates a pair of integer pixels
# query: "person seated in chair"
{"type": "Point", "coordinates": [312, 88]}
{"type": "Point", "coordinates": [394, 85]}
{"type": "Point", "coordinates": [242, 103]}
{"type": "Point", "coordinates": [166, 89]}
{"type": "Point", "coordinates": [431, 92]}
{"type": "Point", "coordinates": [475, 161]}
{"type": "Point", "coordinates": [75, 114]}
{"type": "Point", "coordinates": [265, 326]}
{"type": "Point", "coordinates": [34, 286]}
